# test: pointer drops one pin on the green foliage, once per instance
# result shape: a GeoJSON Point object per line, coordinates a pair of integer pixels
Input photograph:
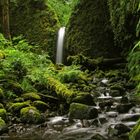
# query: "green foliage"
{"type": "Point", "coordinates": [37, 22]}
{"type": "Point", "coordinates": [63, 9]}
{"type": "Point", "coordinates": [22, 69]}
{"type": "Point", "coordinates": [70, 74]}
{"type": "Point", "coordinates": [135, 132]}
{"type": "Point", "coordinates": [124, 16]}
{"type": "Point", "coordinates": [134, 64]}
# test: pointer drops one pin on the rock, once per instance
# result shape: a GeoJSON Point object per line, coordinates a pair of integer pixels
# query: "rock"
{"type": "Point", "coordinates": [31, 96]}
{"type": "Point", "coordinates": [1, 105]}
{"type": "Point", "coordinates": [30, 115]}
{"type": "Point", "coordinates": [119, 87]}
{"type": "Point", "coordinates": [118, 129]}
{"type": "Point", "coordinates": [1, 94]}
{"type": "Point", "coordinates": [3, 127]}
{"type": "Point", "coordinates": [3, 114]}
{"type": "Point", "coordinates": [115, 93]}
{"type": "Point", "coordinates": [40, 105]}
{"type": "Point", "coordinates": [135, 132]}
{"type": "Point", "coordinates": [16, 107]}
{"type": "Point", "coordinates": [81, 111]}
{"type": "Point", "coordinates": [112, 114]}
{"type": "Point", "coordinates": [84, 99]}
{"type": "Point", "coordinates": [124, 108]}
{"type": "Point", "coordinates": [130, 117]}
{"type": "Point", "coordinates": [98, 137]}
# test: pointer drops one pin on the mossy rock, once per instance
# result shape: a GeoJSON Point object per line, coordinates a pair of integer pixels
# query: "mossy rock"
{"type": "Point", "coordinates": [3, 114]}
{"type": "Point", "coordinates": [1, 106]}
{"type": "Point", "coordinates": [40, 105]}
{"type": "Point", "coordinates": [1, 94]}
{"type": "Point", "coordinates": [19, 99]}
{"type": "Point", "coordinates": [3, 127]}
{"type": "Point", "coordinates": [84, 98]}
{"type": "Point", "coordinates": [16, 107]}
{"type": "Point", "coordinates": [82, 111]}
{"type": "Point", "coordinates": [117, 86]}
{"type": "Point", "coordinates": [2, 55]}
{"type": "Point", "coordinates": [13, 86]}
{"type": "Point", "coordinates": [135, 132]}
{"type": "Point", "coordinates": [89, 30]}
{"type": "Point", "coordinates": [39, 23]}
{"type": "Point", "coordinates": [31, 96]}
{"type": "Point", "coordinates": [30, 115]}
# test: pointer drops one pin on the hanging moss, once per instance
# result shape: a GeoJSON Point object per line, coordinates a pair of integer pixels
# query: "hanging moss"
{"type": "Point", "coordinates": [124, 17]}
{"type": "Point", "coordinates": [89, 30]}
{"type": "Point", "coordinates": [36, 21]}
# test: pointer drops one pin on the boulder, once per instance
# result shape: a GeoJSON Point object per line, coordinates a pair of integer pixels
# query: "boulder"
{"type": "Point", "coordinates": [3, 114]}
{"type": "Point", "coordinates": [30, 115]}
{"type": "Point", "coordinates": [31, 96]}
{"type": "Point", "coordinates": [3, 127]}
{"type": "Point", "coordinates": [40, 105]}
{"type": "Point", "coordinates": [81, 111]}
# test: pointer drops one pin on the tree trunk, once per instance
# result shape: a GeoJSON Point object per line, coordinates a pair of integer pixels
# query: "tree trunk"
{"type": "Point", "coordinates": [5, 19]}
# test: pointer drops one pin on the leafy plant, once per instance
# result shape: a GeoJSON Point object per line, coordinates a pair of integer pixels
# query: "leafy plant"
{"type": "Point", "coordinates": [134, 64]}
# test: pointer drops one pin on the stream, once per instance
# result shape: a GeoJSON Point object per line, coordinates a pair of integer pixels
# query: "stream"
{"type": "Point", "coordinates": [117, 114]}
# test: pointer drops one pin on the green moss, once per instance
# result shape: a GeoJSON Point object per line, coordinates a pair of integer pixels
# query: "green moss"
{"type": "Point", "coordinates": [1, 105]}
{"type": "Point", "coordinates": [1, 94]}
{"type": "Point", "coordinates": [135, 132]}
{"type": "Point", "coordinates": [61, 90]}
{"type": "Point", "coordinates": [3, 114]}
{"type": "Point", "coordinates": [2, 123]}
{"type": "Point", "coordinates": [31, 96]}
{"type": "Point", "coordinates": [16, 107]}
{"type": "Point", "coordinates": [37, 22]}
{"type": "Point", "coordinates": [40, 105]}
{"type": "Point", "coordinates": [30, 115]}
{"type": "Point", "coordinates": [78, 111]}
{"type": "Point", "coordinates": [89, 30]}
{"type": "Point", "coordinates": [2, 55]}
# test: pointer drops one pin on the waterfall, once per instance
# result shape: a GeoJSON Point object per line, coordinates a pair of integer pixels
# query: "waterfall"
{"type": "Point", "coordinates": [60, 43]}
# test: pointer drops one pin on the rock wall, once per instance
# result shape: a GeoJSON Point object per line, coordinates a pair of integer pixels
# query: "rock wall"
{"type": "Point", "coordinates": [36, 21]}
{"type": "Point", "coordinates": [89, 30]}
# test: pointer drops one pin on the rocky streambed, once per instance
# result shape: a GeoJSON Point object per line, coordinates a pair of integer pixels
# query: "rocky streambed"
{"type": "Point", "coordinates": [107, 111]}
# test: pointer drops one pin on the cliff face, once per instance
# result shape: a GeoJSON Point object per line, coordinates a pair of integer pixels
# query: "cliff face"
{"type": "Point", "coordinates": [37, 22]}
{"type": "Point", "coordinates": [89, 30]}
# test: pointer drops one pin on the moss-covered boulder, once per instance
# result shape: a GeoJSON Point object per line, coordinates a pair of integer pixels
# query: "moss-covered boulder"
{"type": "Point", "coordinates": [81, 111]}
{"type": "Point", "coordinates": [84, 98]}
{"type": "Point", "coordinates": [30, 115]}
{"type": "Point", "coordinates": [40, 105]}
{"type": "Point", "coordinates": [3, 127]}
{"type": "Point", "coordinates": [31, 96]}
{"type": "Point", "coordinates": [3, 114]}
{"type": "Point", "coordinates": [1, 94]}
{"type": "Point", "coordinates": [89, 30]}
{"type": "Point", "coordinates": [36, 20]}
{"type": "Point", "coordinates": [1, 105]}
{"type": "Point", "coordinates": [135, 132]}
{"type": "Point", "coordinates": [16, 107]}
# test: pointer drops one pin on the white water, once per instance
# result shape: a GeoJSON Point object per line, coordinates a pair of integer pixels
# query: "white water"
{"type": "Point", "coordinates": [60, 43]}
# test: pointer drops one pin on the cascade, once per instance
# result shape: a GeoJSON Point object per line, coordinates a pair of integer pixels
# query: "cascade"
{"type": "Point", "coordinates": [60, 43]}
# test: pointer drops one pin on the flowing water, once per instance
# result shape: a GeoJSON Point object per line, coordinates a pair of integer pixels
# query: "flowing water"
{"type": "Point", "coordinates": [60, 43]}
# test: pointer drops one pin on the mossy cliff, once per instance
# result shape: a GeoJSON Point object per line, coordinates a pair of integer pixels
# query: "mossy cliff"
{"type": "Point", "coordinates": [36, 21]}
{"type": "Point", "coordinates": [124, 17]}
{"type": "Point", "coordinates": [89, 30]}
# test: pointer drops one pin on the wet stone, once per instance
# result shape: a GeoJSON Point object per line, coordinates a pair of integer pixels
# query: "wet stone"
{"type": "Point", "coordinates": [130, 117]}
{"type": "Point", "coordinates": [112, 114]}
{"type": "Point", "coordinates": [124, 108]}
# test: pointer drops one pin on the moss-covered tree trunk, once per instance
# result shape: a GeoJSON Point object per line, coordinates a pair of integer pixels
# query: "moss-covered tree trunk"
{"type": "Point", "coordinates": [5, 19]}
